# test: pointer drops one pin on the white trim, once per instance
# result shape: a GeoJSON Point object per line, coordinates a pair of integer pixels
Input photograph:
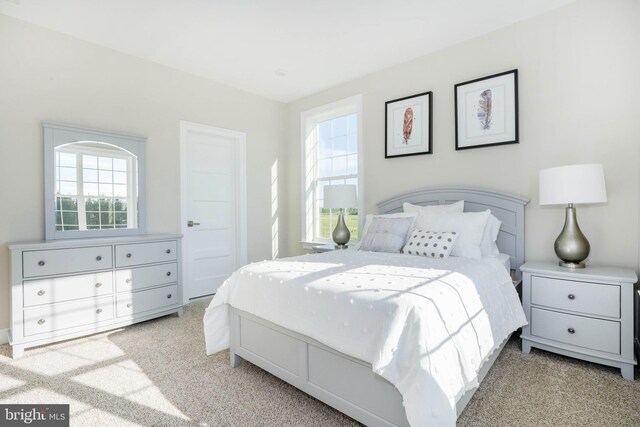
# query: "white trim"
{"type": "Point", "coordinates": [308, 119]}
{"type": "Point", "coordinates": [241, 193]}
{"type": "Point", "coordinates": [4, 336]}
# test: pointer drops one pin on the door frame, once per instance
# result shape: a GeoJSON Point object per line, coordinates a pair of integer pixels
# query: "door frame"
{"type": "Point", "coordinates": [240, 192]}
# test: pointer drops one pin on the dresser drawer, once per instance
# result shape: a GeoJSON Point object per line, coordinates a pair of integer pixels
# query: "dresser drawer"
{"type": "Point", "coordinates": [581, 297]}
{"type": "Point", "coordinates": [60, 316]}
{"type": "Point", "coordinates": [146, 253]}
{"type": "Point", "coordinates": [596, 334]}
{"type": "Point", "coordinates": [141, 301]}
{"type": "Point", "coordinates": [65, 261]}
{"type": "Point", "coordinates": [133, 279]}
{"type": "Point", "coordinates": [47, 291]}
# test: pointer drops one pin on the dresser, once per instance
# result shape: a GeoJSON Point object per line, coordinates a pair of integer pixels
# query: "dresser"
{"type": "Point", "coordinates": [66, 289]}
{"type": "Point", "coordinates": [582, 313]}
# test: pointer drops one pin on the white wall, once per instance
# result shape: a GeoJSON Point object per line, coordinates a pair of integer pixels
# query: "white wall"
{"type": "Point", "coordinates": [579, 70]}
{"type": "Point", "coordinates": [48, 76]}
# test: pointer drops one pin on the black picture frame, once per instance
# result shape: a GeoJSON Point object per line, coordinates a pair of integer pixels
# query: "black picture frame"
{"type": "Point", "coordinates": [423, 101]}
{"type": "Point", "coordinates": [509, 105]}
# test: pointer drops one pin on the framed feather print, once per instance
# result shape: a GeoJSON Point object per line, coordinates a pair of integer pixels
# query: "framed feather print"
{"type": "Point", "coordinates": [408, 126]}
{"type": "Point", "coordinates": [487, 111]}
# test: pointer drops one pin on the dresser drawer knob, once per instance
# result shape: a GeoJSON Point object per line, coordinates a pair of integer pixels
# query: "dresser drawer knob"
{"type": "Point", "coordinates": [128, 255]}
{"type": "Point", "coordinates": [168, 273]}
{"type": "Point", "coordinates": [168, 296]}
{"type": "Point", "coordinates": [41, 322]}
{"type": "Point", "coordinates": [571, 331]}
{"type": "Point", "coordinates": [99, 258]}
{"type": "Point", "coordinates": [98, 284]}
{"type": "Point", "coordinates": [129, 305]}
{"type": "Point", "coordinates": [40, 263]}
{"type": "Point", "coordinates": [40, 292]}
{"type": "Point", "coordinates": [98, 311]}
{"type": "Point", "coordinates": [168, 251]}
{"type": "Point", "coordinates": [128, 280]}
{"type": "Point", "coordinates": [571, 296]}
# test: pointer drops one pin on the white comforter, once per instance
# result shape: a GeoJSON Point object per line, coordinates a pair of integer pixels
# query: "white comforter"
{"type": "Point", "coordinates": [425, 325]}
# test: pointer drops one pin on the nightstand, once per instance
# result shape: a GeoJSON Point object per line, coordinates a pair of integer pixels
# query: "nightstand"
{"type": "Point", "coordinates": [583, 313]}
{"type": "Point", "coordinates": [328, 248]}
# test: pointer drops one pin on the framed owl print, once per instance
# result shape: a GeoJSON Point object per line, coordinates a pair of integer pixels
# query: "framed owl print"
{"type": "Point", "coordinates": [487, 111]}
{"type": "Point", "coordinates": [408, 126]}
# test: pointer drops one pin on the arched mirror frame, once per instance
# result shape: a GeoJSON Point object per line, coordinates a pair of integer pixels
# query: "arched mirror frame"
{"type": "Point", "coordinates": [56, 135]}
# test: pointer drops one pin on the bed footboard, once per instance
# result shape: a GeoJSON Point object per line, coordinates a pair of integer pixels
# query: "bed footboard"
{"type": "Point", "coordinates": [347, 384]}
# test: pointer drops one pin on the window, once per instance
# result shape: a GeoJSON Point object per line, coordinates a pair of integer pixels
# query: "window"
{"type": "Point", "coordinates": [94, 188]}
{"type": "Point", "coordinates": [331, 153]}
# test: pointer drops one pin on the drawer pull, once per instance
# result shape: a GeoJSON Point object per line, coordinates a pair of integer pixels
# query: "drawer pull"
{"type": "Point", "coordinates": [129, 255]}
{"type": "Point", "coordinates": [571, 331]}
{"type": "Point", "coordinates": [40, 292]}
{"type": "Point", "coordinates": [98, 284]}
{"type": "Point", "coordinates": [98, 311]}
{"type": "Point", "coordinates": [168, 296]}
{"type": "Point", "coordinates": [41, 322]}
{"type": "Point", "coordinates": [168, 251]}
{"type": "Point", "coordinates": [571, 296]}
{"type": "Point", "coordinates": [99, 258]}
{"type": "Point", "coordinates": [40, 263]}
{"type": "Point", "coordinates": [129, 305]}
{"type": "Point", "coordinates": [168, 273]}
{"type": "Point", "coordinates": [128, 280]}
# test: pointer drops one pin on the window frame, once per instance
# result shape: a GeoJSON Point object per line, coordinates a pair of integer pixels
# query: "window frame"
{"type": "Point", "coordinates": [309, 119]}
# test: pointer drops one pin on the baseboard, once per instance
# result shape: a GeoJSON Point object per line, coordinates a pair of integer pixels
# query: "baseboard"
{"type": "Point", "coordinates": [4, 336]}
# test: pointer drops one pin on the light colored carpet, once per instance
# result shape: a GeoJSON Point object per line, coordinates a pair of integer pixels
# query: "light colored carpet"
{"type": "Point", "coordinates": [156, 373]}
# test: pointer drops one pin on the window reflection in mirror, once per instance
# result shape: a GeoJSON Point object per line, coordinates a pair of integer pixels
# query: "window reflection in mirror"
{"type": "Point", "coordinates": [95, 187]}
{"type": "Point", "coordinates": [94, 182]}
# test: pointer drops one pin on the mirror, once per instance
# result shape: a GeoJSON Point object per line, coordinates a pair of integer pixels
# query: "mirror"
{"type": "Point", "coordinates": [94, 183]}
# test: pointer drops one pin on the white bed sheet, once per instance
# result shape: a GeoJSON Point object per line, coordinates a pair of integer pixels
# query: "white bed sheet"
{"type": "Point", "coordinates": [425, 325]}
{"type": "Point", "coordinates": [505, 260]}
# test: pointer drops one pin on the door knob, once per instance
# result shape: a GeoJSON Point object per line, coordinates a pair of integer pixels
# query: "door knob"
{"type": "Point", "coordinates": [191, 223]}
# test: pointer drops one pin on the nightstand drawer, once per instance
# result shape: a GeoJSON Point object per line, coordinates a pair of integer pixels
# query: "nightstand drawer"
{"type": "Point", "coordinates": [596, 334]}
{"type": "Point", "coordinates": [580, 297]}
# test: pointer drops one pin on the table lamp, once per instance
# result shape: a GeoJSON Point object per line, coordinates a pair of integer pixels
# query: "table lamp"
{"type": "Point", "coordinates": [574, 184]}
{"type": "Point", "coordinates": [340, 197]}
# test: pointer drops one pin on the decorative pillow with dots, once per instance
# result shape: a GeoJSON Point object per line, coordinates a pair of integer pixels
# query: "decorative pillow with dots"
{"type": "Point", "coordinates": [432, 244]}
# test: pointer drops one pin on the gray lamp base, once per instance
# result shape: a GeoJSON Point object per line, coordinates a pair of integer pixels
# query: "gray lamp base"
{"type": "Point", "coordinates": [572, 264]}
{"type": "Point", "coordinates": [571, 246]}
{"type": "Point", "coordinates": [341, 234]}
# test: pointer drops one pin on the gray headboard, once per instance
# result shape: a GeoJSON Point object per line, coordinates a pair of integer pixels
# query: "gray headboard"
{"type": "Point", "coordinates": [508, 208]}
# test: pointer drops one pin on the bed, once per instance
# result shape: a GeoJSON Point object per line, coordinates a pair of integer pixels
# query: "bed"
{"type": "Point", "coordinates": [285, 316]}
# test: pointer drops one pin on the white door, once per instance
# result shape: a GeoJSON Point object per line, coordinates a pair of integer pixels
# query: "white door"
{"type": "Point", "coordinates": [213, 206]}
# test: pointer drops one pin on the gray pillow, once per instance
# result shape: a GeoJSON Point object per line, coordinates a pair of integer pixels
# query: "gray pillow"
{"type": "Point", "coordinates": [386, 234]}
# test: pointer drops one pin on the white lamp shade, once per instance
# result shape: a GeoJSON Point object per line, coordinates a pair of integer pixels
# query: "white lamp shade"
{"type": "Point", "coordinates": [340, 196]}
{"type": "Point", "coordinates": [573, 184]}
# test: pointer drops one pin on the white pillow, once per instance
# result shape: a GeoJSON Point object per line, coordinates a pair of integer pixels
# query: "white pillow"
{"type": "Point", "coordinates": [386, 234]}
{"type": "Point", "coordinates": [369, 218]}
{"type": "Point", "coordinates": [469, 225]}
{"type": "Point", "coordinates": [457, 207]}
{"type": "Point", "coordinates": [488, 246]}
{"type": "Point", "coordinates": [432, 244]}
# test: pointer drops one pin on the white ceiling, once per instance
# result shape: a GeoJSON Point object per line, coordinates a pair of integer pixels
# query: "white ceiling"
{"type": "Point", "coordinates": [281, 49]}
